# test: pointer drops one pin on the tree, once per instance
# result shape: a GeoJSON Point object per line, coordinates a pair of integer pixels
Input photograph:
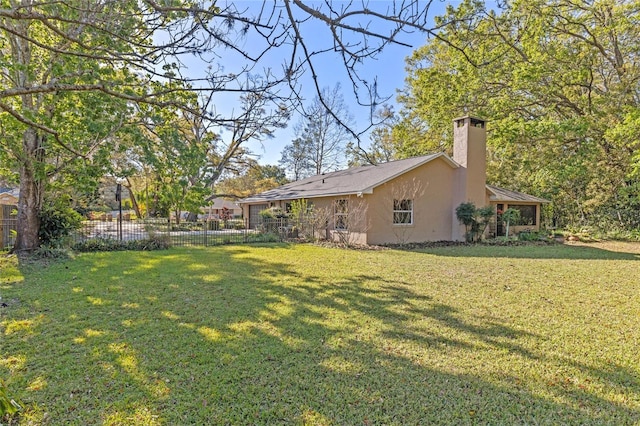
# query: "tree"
{"type": "Point", "coordinates": [295, 159]}
{"type": "Point", "coordinates": [70, 73]}
{"type": "Point", "coordinates": [321, 137]}
{"type": "Point", "coordinates": [510, 216]}
{"type": "Point", "coordinates": [403, 196]}
{"type": "Point", "coordinates": [383, 147]}
{"type": "Point", "coordinates": [73, 73]}
{"type": "Point", "coordinates": [255, 178]}
{"type": "Point", "coordinates": [350, 220]}
{"type": "Point", "coordinates": [559, 81]}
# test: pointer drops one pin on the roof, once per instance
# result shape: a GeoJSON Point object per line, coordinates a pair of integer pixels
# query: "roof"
{"type": "Point", "coordinates": [10, 195]}
{"type": "Point", "coordinates": [12, 191]}
{"type": "Point", "coordinates": [221, 203]}
{"type": "Point", "coordinates": [501, 194]}
{"type": "Point", "coordinates": [355, 180]}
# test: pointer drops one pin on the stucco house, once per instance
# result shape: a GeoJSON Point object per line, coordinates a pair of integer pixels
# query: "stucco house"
{"type": "Point", "coordinates": [410, 200]}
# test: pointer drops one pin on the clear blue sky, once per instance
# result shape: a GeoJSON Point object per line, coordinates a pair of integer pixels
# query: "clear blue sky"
{"type": "Point", "coordinates": [388, 67]}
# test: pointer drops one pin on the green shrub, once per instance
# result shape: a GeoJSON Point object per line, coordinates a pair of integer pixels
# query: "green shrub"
{"type": "Point", "coordinates": [110, 244]}
{"type": "Point", "coordinates": [267, 214]}
{"type": "Point", "coordinates": [474, 219]}
{"type": "Point", "coordinates": [622, 235]}
{"type": "Point", "coordinates": [273, 213]}
{"type": "Point", "coordinates": [531, 236]}
{"type": "Point", "coordinates": [57, 220]}
{"type": "Point", "coordinates": [49, 252]}
{"type": "Point", "coordinates": [265, 237]}
{"type": "Point", "coordinates": [510, 216]}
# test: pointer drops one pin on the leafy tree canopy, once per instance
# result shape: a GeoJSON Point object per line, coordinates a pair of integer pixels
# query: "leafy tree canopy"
{"type": "Point", "coordinates": [559, 82]}
{"type": "Point", "coordinates": [253, 179]}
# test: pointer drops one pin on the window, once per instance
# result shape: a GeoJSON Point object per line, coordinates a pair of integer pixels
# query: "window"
{"type": "Point", "coordinates": [527, 214]}
{"type": "Point", "coordinates": [403, 212]}
{"type": "Point", "coordinates": [340, 214]}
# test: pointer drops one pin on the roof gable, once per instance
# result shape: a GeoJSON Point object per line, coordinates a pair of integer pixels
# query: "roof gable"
{"type": "Point", "coordinates": [356, 180]}
{"type": "Point", "coordinates": [9, 195]}
{"type": "Point", "coordinates": [221, 203]}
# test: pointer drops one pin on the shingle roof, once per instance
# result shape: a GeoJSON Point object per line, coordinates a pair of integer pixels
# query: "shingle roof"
{"type": "Point", "coordinates": [501, 194]}
{"type": "Point", "coordinates": [221, 203]}
{"type": "Point", "coordinates": [11, 191]}
{"type": "Point", "coordinates": [355, 180]}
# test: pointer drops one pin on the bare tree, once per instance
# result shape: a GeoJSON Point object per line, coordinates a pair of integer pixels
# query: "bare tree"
{"type": "Point", "coordinates": [350, 220]}
{"type": "Point", "coordinates": [400, 205]}
{"type": "Point", "coordinates": [322, 136]}
{"type": "Point", "coordinates": [383, 146]}
{"type": "Point", "coordinates": [295, 159]}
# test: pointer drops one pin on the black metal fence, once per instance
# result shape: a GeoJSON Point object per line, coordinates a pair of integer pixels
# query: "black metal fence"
{"type": "Point", "coordinates": [196, 233]}
{"type": "Point", "coordinates": [7, 233]}
{"type": "Point", "coordinates": [182, 233]}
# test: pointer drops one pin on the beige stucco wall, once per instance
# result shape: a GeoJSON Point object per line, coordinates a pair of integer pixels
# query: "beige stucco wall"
{"type": "Point", "coordinates": [431, 188]}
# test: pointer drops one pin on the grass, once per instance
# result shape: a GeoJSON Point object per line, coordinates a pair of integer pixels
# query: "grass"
{"type": "Point", "coordinates": [300, 334]}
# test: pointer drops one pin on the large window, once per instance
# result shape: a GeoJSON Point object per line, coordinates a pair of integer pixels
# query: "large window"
{"type": "Point", "coordinates": [403, 212]}
{"type": "Point", "coordinates": [527, 214]}
{"type": "Point", "coordinates": [340, 211]}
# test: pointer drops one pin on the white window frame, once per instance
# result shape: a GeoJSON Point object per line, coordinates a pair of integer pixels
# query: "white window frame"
{"type": "Point", "coordinates": [340, 214]}
{"type": "Point", "coordinates": [399, 210]}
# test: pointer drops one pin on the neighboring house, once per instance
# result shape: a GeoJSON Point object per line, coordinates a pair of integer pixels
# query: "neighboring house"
{"type": "Point", "coordinates": [9, 196]}
{"type": "Point", "coordinates": [411, 200]}
{"type": "Point", "coordinates": [216, 209]}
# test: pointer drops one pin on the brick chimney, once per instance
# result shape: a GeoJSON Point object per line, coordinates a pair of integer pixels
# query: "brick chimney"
{"type": "Point", "coordinates": [470, 152]}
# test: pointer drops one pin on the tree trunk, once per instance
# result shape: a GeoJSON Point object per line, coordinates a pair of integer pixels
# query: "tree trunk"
{"type": "Point", "coordinates": [134, 201]}
{"type": "Point", "coordinates": [31, 194]}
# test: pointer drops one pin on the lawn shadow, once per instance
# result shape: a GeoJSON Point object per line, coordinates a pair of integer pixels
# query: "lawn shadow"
{"type": "Point", "coordinates": [545, 251]}
{"type": "Point", "coordinates": [226, 336]}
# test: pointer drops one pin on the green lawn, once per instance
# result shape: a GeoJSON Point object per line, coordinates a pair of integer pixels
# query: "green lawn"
{"type": "Point", "coordinates": [300, 334]}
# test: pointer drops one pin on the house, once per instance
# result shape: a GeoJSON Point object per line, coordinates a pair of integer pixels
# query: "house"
{"type": "Point", "coordinates": [9, 196]}
{"type": "Point", "coordinates": [410, 200]}
{"type": "Point", "coordinates": [219, 208]}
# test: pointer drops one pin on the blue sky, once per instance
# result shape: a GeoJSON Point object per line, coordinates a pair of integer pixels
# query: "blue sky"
{"type": "Point", "coordinates": [389, 71]}
{"type": "Point", "coordinates": [388, 68]}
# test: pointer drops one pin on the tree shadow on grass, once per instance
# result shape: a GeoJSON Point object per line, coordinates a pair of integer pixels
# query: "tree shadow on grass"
{"type": "Point", "coordinates": [228, 336]}
{"type": "Point", "coordinates": [552, 251]}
